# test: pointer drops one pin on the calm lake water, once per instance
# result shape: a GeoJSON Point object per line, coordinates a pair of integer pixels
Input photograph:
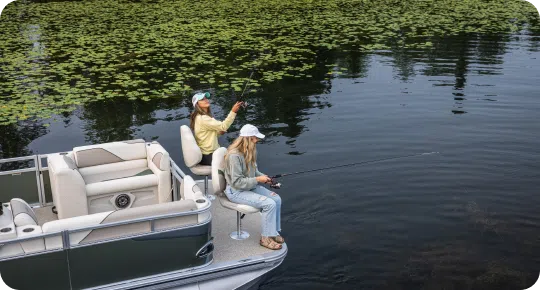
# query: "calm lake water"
{"type": "Point", "coordinates": [465, 218]}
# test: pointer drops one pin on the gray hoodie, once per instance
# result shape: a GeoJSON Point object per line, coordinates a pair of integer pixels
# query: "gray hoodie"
{"type": "Point", "coordinates": [237, 175]}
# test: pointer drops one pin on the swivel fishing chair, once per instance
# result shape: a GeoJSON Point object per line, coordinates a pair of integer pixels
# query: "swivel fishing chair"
{"type": "Point", "coordinates": [193, 156]}
{"type": "Point", "coordinates": [218, 186]}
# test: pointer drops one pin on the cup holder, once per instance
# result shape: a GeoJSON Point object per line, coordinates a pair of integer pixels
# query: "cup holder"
{"type": "Point", "coordinates": [28, 230]}
{"type": "Point", "coordinates": [5, 230]}
{"type": "Point", "coordinates": [200, 200]}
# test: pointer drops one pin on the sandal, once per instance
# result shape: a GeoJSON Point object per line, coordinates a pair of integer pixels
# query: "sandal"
{"type": "Point", "coordinates": [279, 239]}
{"type": "Point", "coordinates": [270, 244]}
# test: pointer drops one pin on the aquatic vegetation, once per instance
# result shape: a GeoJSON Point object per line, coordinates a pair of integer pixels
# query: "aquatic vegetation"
{"type": "Point", "coordinates": [55, 56]}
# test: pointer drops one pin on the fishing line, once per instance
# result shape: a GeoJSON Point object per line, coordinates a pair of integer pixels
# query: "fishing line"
{"type": "Point", "coordinates": [353, 164]}
{"type": "Point", "coordinates": [275, 184]}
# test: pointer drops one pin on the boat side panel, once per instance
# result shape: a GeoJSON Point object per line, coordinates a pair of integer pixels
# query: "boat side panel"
{"type": "Point", "coordinates": [46, 271]}
{"type": "Point", "coordinates": [116, 261]}
{"type": "Point", "coordinates": [22, 185]}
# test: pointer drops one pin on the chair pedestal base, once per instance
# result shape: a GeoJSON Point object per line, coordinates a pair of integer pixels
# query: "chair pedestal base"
{"type": "Point", "coordinates": [242, 236]}
{"type": "Point", "coordinates": [209, 196]}
{"type": "Point", "coordinates": [239, 234]}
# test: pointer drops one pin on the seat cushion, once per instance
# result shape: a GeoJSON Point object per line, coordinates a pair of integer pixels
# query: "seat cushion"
{"type": "Point", "coordinates": [117, 170]}
{"type": "Point", "coordinates": [23, 214]}
{"type": "Point", "coordinates": [201, 170]}
{"type": "Point", "coordinates": [107, 153]}
{"type": "Point", "coordinates": [225, 202]}
{"type": "Point", "coordinates": [122, 184]}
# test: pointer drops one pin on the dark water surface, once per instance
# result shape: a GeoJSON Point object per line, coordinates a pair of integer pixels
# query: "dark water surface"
{"type": "Point", "coordinates": [466, 218]}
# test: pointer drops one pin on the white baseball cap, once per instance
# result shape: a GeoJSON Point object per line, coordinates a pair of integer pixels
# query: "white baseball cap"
{"type": "Point", "coordinates": [199, 96]}
{"type": "Point", "coordinates": [250, 130]}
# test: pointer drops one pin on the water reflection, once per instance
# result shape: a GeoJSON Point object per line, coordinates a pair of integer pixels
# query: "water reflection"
{"type": "Point", "coordinates": [14, 140]}
{"type": "Point", "coordinates": [121, 119]}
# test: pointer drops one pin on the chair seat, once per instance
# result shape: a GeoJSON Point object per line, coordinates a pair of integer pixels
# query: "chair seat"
{"type": "Point", "coordinates": [225, 202]}
{"type": "Point", "coordinates": [201, 170]}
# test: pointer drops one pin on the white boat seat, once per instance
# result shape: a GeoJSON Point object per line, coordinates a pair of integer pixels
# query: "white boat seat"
{"type": "Point", "coordinates": [243, 208]}
{"type": "Point", "coordinates": [192, 157]}
{"type": "Point", "coordinates": [117, 170]}
{"type": "Point", "coordinates": [219, 184]}
{"type": "Point", "coordinates": [23, 214]}
{"type": "Point", "coordinates": [90, 179]}
{"type": "Point", "coordinates": [121, 184]}
{"type": "Point", "coordinates": [118, 216]}
{"type": "Point", "coordinates": [26, 225]}
{"type": "Point", "coordinates": [202, 170]}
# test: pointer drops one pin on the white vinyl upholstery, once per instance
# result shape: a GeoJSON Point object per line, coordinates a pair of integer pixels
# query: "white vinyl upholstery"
{"type": "Point", "coordinates": [158, 162]}
{"type": "Point", "coordinates": [113, 171]}
{"type": "Point", "coordinates": [218, 179]}
{"type": "Point", "coordinates": [89, 236]}
{"type": "Point", "coordinates": [122, 184]}
{"type": "Point", "coordinates": [23, 214]}
{"type": "Point", "coordinates": [100, 173]}
{"type": "Point", "coordinates": [92, 155]}
{"type": "Point", "coordinates": [192, 153]}
{"type": "Point", "coordinates": [190, 150]}
{"type": "Point", "coordinates": [219, 184]}
{"type": "Point", "coordinates": [201, 169]}
{"type": "Point", "coordinates": [25, 225]}
{"type": "Point", "coordinates": [68, 187]}
{"type": "Point", "coordinates": [189, 190]}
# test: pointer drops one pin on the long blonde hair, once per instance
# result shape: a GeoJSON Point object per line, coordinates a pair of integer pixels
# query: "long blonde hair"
{"type": "Point", "coordinates": [197, 111]}
{"type": "Point", "coordinates": [246, 147]}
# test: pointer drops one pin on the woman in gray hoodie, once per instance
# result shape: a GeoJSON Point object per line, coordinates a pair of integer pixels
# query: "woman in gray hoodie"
{"type": "Point", "coordinates": [243, 177]}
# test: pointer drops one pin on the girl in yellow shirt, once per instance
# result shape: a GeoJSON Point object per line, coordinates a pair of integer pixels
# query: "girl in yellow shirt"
{"type": "Point", "coordinates": [205, 128]}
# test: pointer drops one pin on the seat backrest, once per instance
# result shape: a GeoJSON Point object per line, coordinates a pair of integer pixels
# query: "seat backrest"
{"type": "Point", "coordinates": [23, 214]}
{"type": "Point", "coordinates": [191, 151]}
{"type": "Point", "coordinates": [107, 153]}
{"type": "Point", "coordinates": [218, 174]}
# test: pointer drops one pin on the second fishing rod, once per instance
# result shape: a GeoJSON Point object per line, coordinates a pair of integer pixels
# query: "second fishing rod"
{"type": "Point", "coordinates": [277, 185]}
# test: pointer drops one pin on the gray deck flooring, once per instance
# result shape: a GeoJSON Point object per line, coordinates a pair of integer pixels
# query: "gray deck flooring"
{"type": "Point", "coordinates": [45, 214]}
{"type": "Point", "coordinates": [228, 249]}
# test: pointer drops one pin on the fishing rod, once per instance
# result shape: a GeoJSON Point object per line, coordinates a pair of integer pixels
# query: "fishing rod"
{"type": "Point", "coordinates": [239, 99]}
{"type": "Point", "coordinates": [275, 184]}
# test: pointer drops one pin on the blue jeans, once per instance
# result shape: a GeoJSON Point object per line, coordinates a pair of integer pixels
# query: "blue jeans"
{"type": "Point", "coordinates": [260, 197]}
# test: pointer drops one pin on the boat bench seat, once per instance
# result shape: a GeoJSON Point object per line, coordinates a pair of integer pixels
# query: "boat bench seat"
{"type": "Point", "coordinates": [102, 218]}
{"type": "Point", "coordinates": [25, 225]}
{"type": "Point", "coordinates": [110, 176]}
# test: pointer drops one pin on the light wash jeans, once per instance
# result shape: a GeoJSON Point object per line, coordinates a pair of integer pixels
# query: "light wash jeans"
{"type": "Point", "coordinates": [260, 197]}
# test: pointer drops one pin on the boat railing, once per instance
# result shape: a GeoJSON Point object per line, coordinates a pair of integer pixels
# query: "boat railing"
{"type": "Point", "coordinates": [176, 174]}
{"type": "Point", "coordinates": [43, 190]}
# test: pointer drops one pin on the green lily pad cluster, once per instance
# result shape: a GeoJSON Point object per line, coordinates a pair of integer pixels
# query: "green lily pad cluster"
{"type": "Point", "coordinates": [55, 56]}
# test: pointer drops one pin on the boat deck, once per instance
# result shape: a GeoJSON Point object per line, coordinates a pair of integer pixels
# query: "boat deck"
{"type": "Point", "coordinates": [228, 249]}
{"type": "Point", "coordinates": [223, 223]}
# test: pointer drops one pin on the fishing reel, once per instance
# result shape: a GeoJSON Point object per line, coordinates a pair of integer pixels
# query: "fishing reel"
{"type": "Point", "coordinates": [274, 183]}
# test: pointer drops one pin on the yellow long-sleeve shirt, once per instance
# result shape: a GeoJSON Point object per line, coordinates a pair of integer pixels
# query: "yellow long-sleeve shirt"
{"type": "Point", "coordinates": [207, 130]}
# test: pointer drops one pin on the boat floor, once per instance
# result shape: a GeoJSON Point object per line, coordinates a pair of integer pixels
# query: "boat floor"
{"type": "Point", "coordinates": [226, 249]}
